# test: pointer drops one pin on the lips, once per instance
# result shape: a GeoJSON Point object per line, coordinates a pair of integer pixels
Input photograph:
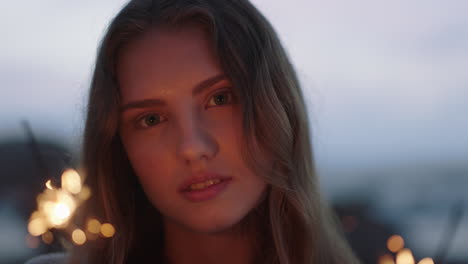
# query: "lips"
{"type": "Point", "coordinates": [200, 178]}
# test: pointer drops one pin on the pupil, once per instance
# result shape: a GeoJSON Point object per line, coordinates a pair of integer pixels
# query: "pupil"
{"type": "Point", "coordinates": [151, 120]}
{"type": "Point", "coordinates": [220, 99]}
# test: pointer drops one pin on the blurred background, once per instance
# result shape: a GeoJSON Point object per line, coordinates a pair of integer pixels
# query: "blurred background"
{"type": "Point", "coordinates": [386, 84]}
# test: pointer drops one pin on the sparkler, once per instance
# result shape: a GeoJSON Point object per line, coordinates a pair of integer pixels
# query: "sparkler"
{"type": "Point", "coordinates": [56, 206]}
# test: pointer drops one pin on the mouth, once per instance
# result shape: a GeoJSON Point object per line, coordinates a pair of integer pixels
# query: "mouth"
{"type": "Point", "coordinates": [201, 186]}
{"type": "Point", "coordinates": [206, 190]}
{"type": "Point", "coordinates": [201, 181]}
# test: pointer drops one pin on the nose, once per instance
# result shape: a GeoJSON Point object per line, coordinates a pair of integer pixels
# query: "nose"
{"type": "Point", "coordinates": [196, 141]}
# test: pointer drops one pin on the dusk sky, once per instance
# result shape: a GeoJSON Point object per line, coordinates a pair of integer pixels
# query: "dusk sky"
{"type": "Point", "coordinates": [386, 81]}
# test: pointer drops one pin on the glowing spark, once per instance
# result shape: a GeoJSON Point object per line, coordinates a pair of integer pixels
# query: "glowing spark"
{"type": "Point", "coordinates": [37, 227]}
{"type": "Point", "coordinates": [49, 185]}
{"type": "Point", "coordinates": [426, 261]}
{"type": "Point", "coordinates": [395, 243]}
{"type": "Point", "coordinates": [71, 181]}
{"type": "Point", "coordinates": [59, 213]}
{"type": "Point", "coordinates": [405, 256]}
{"type": "Point", "coordinates": [94, 226]}
{"type": "Point", "coordinates": [55, 208]}
{"type": "Point", "coordinates": [386, 259]}
{"type": "Point", "coordinates": [79, 237]}
{"type": "Point", "coordinates": [107, 230]}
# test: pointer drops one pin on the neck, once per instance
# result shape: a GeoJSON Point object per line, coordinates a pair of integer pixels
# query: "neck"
{"type": "Point", "coordinates": [208, 249]}
{"type": "Point", "coordinates": [239, 244]}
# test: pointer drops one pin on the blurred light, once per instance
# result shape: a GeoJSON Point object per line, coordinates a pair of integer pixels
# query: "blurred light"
{"type": "Point", "coordinates": [107, 230]}
{"type": "Point", "coordinates": [59, 213]}
{"type": "Point", "coordinates": [37, 227]}
{"type": "Point", "coordinates": [395, 243]}
{"type": "Point", "coordinates": [48, 184]}
{"type": "Point", "coordinates": [85, 193]}
{"type": "Point", "coordinates": [405, 256]}
{"type": "Point", "coordinates": [57, 206]}
{"type": "Point", "coordinates": [71, 181]}
{"type": "Point", "coordinates": [94, 226]}
{"type": "Point", "coordinates": [386, 259]}
{"type": "Point", "coordinates": [426, 261]}
{"type": "Point", "coordinates": [31, 242]}
{"type": "Point", "coordinates": [79, 237]}
{"type": "Point", "coordinates": [48, 237]}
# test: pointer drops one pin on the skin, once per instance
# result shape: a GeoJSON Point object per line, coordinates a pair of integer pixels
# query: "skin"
{"type": "Point", "coordinates": [191, 133]}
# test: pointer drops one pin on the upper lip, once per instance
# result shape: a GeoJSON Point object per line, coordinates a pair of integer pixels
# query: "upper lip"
{"type": "Point", "coordinates": [201, 177]}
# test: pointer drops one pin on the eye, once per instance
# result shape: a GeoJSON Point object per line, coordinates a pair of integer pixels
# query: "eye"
{"type": "Point", "coordinates": [149, 120]}
{"type": "Point", "coordinates": [222, 98]}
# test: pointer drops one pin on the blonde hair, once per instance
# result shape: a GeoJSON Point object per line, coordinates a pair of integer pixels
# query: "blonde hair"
{"type": "Point", "coordinates": [297, 224]}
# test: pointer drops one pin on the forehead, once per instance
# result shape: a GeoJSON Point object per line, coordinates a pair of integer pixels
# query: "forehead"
{"type": "Point", "coordinates": [166, 61]}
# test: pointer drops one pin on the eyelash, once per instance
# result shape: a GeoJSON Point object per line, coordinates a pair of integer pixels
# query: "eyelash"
{"type": "Point", "coordinates": [140, 120]}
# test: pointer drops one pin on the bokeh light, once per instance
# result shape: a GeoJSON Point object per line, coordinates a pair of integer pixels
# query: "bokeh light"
{"type": "Point", "coordinates": [94, 226]}
{"type": "Point", "coordinates": [48, 184]}
{"type": "Point", "coordinates": [78, 237]}
{"type": "Point", "coordinates": [395, 243]}
{"type": "Point", "coordinates": [405, 256]}
{"type": "Point", "coordinates": [71, 181]}
{"type": "Point", "coordinates": [386, 259]}
{"type": "Point", "coordinates": [107, 230]}
{"type": "Point", "coordinates": [37, 227]}
{"type": "Point", "coordinates": [426, 261]}
{"type": "Point", "coordinates": [56, 207]}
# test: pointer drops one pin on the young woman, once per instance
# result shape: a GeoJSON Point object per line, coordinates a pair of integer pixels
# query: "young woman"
{"type": "Point", "coordinates": [197, 142]}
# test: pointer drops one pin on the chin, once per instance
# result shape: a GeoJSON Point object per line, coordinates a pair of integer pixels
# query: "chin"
{"type": "Point", "coordinates": [213, 225]}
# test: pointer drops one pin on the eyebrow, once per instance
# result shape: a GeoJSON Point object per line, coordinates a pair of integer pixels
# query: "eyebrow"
{"type": "Point", "coordinates": [198, 89]}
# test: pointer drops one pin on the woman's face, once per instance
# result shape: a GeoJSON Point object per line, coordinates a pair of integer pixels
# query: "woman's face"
{"type": "Point", "coordinates": [180, 120]}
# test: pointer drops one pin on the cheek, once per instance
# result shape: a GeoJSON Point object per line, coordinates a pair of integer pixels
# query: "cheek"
{"type": "Point", "coordinates": [147, 158]}
{"type": "Point", "coordinates": [153, 170]}
{"type": "Point", "coordinates": [227, 128]}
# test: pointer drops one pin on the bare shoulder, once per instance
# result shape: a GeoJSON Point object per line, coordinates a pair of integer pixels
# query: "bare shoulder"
{"type": "Point", "coordinates": [51, 258]}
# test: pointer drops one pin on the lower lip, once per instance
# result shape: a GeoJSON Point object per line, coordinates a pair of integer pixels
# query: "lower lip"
{"type": "Point", "coordinates": [207, 193]}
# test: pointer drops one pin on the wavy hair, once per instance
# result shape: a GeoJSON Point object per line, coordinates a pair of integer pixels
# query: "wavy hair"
{"type": "Point", "coordinates": [298, 226]}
